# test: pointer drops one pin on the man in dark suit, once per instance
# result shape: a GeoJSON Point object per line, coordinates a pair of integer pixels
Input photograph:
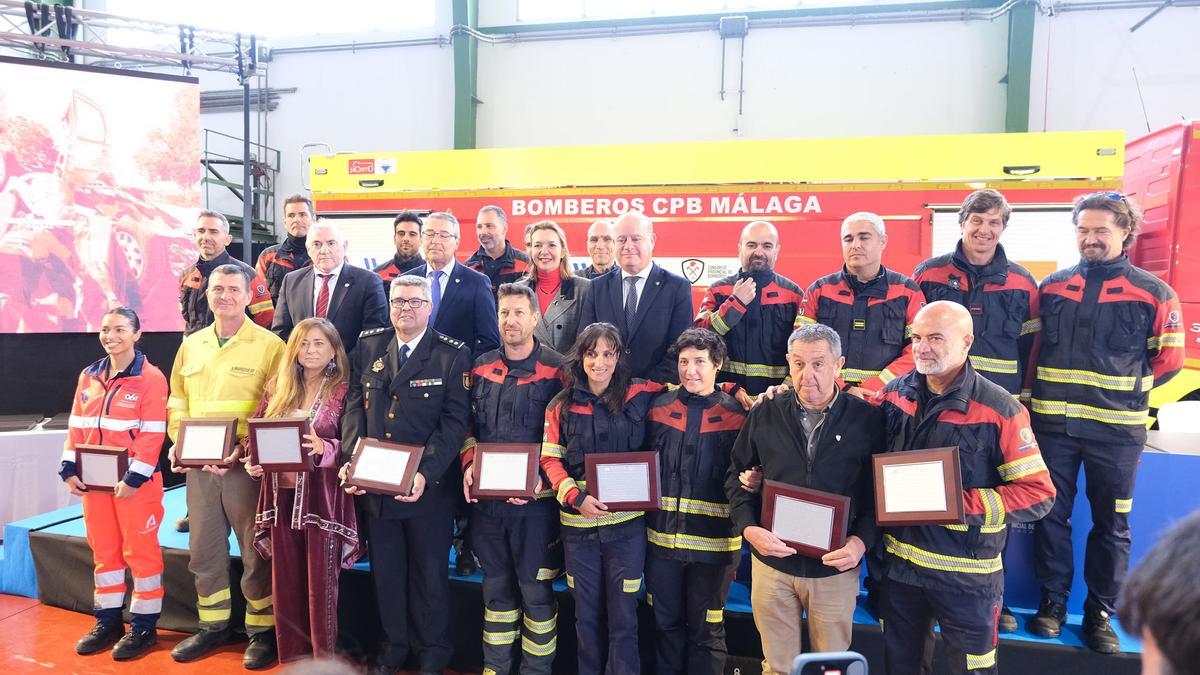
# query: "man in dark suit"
{"type": "Point", "coordinates": [351, 298]}
{"type": "Point", "coordinates": [409, 385]}
{"type": "Point", "coordinates": [649, 305]}
{"type": "Point", "coordinates": [463, 305]}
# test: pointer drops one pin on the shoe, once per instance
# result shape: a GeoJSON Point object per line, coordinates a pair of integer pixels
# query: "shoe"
{"type": "Point", "coordinates": [1050, 617]}
{"type": "Point", "coordinates": [261, 652]}
{"type": "Point", "coordinates": [200, 644]}
{"type": "Point", "coordinates": [134, 644]}
{"type": "Point", "coordinates": [102, 636]}
{"type": "Point", "coordinates": [1099, 634]}
{"type": "Point", "coordinates": [181, 525]}
{"type": "Point", "coordinates": [1007, 622]}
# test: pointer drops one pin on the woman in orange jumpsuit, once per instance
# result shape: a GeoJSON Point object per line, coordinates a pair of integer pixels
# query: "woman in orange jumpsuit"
{"type": "Point", "coordinates": [121, 401]}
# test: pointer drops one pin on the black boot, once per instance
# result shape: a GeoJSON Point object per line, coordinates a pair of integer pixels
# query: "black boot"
{"type": "Point", "coordinates": [134, 644]}
{"type": "Point", "coordinates": [1099, 634]}
{"type": "Point", "coordinates": [1051, 615]}
{"type": "Point", "coordinates": [261, 652]}
{"type": "Point", "coordinates": [101, 637]}
{"type": "Point", "coordinates": [200, 644]}
{"type": "Point", "coordinates": [1007, 622]}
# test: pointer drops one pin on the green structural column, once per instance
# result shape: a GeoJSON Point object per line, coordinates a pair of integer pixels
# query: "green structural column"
{"type": "Point", "coordinates": [1020, 65]}
{"type": "Point", "coordinates": [466, 74]}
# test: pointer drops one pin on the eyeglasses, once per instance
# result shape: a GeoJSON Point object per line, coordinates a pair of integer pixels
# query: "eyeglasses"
{"type": "Point", "coordinates": [440, 236]}
{"type": "Point", "coordinates": [415, 303]}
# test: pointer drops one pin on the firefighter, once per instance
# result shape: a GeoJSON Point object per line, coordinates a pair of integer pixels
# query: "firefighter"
{"type": "Point", "coordinates": [870, 307]}
{"type": "Point", "coordinates": [496, 258]}
{"type": "Point", "coordinates": [755, 311]}
{"type": "Point", "coordinates": [121, 401]}
{"type": "Point", "coordinates": [1000, 294]}
{"type": "Point", "coordinates": [954, 574]}
{"type": "Point", "coordinates": [220, 372]}
{"type": "Point", "coordinates": [291, 254]}
{"type": "Point", "coordinates": [1110, 333]}
{"type": "Point", "coordinates": [406, 230]}
{"type": "Point", "coordinates": [693, 548]}
{"type": "Point", "coordinates": [601, 249]}
{"type": "Point", "coordinates": [212, 238]}
{"type": "Point", "coordinates": [516, 540]}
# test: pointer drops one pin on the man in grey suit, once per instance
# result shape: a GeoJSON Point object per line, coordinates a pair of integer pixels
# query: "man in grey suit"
{"type": "Point", "coordinates": [350, 297]}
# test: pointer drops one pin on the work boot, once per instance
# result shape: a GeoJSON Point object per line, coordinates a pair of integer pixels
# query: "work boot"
{"type": "Point", "coordinates": [101, 637]}
{"type": "Point", "coordinates": [1007, 622]}
{"type": "Point", "coordinates": [200, 644]}
{"type": "Point", "coordinates": [135, 643]}
{"type": "Point", "coordinates": [1050, 617]}
{"type": "Point", "coordinates": [1099, 634]}
{"type": "Point", "coordinates": [261, 652]}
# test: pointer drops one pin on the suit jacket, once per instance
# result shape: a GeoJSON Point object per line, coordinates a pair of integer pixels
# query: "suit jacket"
{"type": "Point", "coordinates": [467, 310]}
{"type": "Point", "coordinates": [358, 303]}
{"type": "Point", "coordinates": [560, 324]}
{"type": "Point", "coordinates": [664, 311]}
{"type": "Point", "coordinates": [425, 402]}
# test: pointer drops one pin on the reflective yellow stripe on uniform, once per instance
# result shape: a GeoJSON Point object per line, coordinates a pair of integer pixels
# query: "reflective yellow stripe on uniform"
{"type": "Point", "coordinates": [693, 542]}
{"type": "Point", "coordinates": [214, 615]}
{"type": "Point", "coordinates": [218, 597]}
{"type": "Point", "coordinates": [563, 487]}
{"type": "Point", "coordinates": [541, 627]}
{"type": "Point", "coordinates": [1031, 326]}
{"type": "Point", "coordinates": [694, 506]}
{"type": "Point", "coordinates": [501, 617]}
{"type": "Point", "coordinates": [505, 638]}
{"type": "Point", "coordinates": [570, 581]}
{"type": "Point", "coordinates": [1078, 410]}
{"type": "Point", "coordinates": [981, 661]}
{"type": "Point", "coordinates": [546, 573]}
{"type": "Point", "coordinates": [754, 369]}
{"type": "Point", "coordinates": [534, 649]}
{"type": "Point", "coordinates": [1123, 505]}
{"type": "Point", "coordinates": [991, 365]}
{"type": "Point", "coordinates": [572, 520]}
{"type": "Point", "coordinates": [856, 375]}
{"type": "Point", "coordinates": [1086, 377]}
{"type": "Point", "coordinates": [802, 320]}
{"type": "Point", "coordinates": [986, 529]}
{"type": "Point", "coordinates": [718, 323]}
{"type": "Point", "coordinates": [908, 331]}
{"type": "Point", "coordinates": [1165, 340]}
{"type": "Point", "coordinates": [714, 615]}
{"type": "Point", "coordinates": [468, 444]}
{"type": "Point", "coordinates": [260, 306]}
{"type": "Point", "coordinates": [1019, 468]}
{"type": "Point", "coordinates": [259, 605]}
{"type": "Point", "coordinates": [941, 562]}
{"type": "Point", "coordinates": [993, 507]}
{"type": "Point", "coordinates": [886, 376]}
{"type": "Point", "coordinates": [631, 585]}
{"type": "Point", "coordinates": [260, 619]}
{"type": "Point", "coordinates": [553, 450]}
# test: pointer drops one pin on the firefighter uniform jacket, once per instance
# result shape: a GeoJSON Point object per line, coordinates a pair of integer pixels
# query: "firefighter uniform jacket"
{"type": "Point", "coordinates": [1003, 300]}
{"type": "Point", "coordinates": [509, 267]}
{"type": "Point", "coordinates": [208, 380]}
{"type": "Point", "coordinates": [276, 261]}
{"type": "Point", "coordinates": [423, 402]}
{"type": "Point", "coordinates": [756, 335]}
{"type": "Point", "coordinates": [1004, 480]}
{"type": "Point", "coordinates": [193, 301]}
{"type": "Point", "coordinates": [397, 266]}
{"type": "Point", "coordinates": [693, 436]}
{"type": "Point", "coordinates": [508, 405]}
{"type": "Point", "coordinates": [1110, 333]}
{"type": "Point", "coordinates": [127, 411]}
{"type": "Point", "coordinates": [874, 321]}
{"type": "Point", "coordinates": [588, 426]}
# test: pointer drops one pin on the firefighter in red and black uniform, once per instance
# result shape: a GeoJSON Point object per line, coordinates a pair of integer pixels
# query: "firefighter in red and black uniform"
{"type": "Point", "coordinates": [954, 574]}
{"type": "Point", "coordinates": [755, 311]}
{"type": "Point", "coordinates": [291, 254]}
{"type": "Point", "coordinates": [406, 230]}
{"type": "Point", "coordinates": [1110, 333]}
{"type": "Point", "coordinates": [496, 258]}
{"type": "Point", "coordinates": [693, 548]}
{"type": "Point", "coordinates": [212, 236]}
{"type": "Point", "coordinates": [870, 307]}
{"type": "Point", "coordinates": [121, 401]}
{"type": "Point", "coordinates": [1000, 294]}
{"type": "Point", "coordinates": [516, 540]}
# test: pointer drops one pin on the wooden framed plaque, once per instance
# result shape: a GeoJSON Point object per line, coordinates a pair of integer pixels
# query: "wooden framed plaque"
{"type": "Point", "coordinates": [811, 521]}
{"type": "Point", "coordinates": [623, 481]}
{"type": "Point", "coordinates": [277, 443]}
{"type": "Point", "coordinates": [101, 467]}
{"type": "Point", "coordinates": [384, 468]}
{"type": "Point", "coordinates": [504, 470]}
{"type": "Point", "coordinates": [204, 441]}
{"type": "Point", "coordinates": [918, 487]}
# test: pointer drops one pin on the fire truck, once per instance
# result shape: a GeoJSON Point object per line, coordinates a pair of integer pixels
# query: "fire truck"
{"type": "Point", "coordinates": [700, 195]}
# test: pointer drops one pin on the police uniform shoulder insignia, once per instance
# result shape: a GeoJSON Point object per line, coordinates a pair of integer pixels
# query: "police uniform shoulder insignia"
{"type": "Point", "coordinates": [372, 331]}
{"type": "Point", "coordinates": [457, 344]}
{"type": "Point", "coordinates": [467, 380]}
{"type": "Point", "coordinates": [377, 366]}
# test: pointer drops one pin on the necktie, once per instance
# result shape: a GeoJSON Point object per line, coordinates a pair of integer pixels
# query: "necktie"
{"type": "Point", "coordinates": [403, 356]}
{"type": "Point", "coordinates": [631, 301]}
{"type": "Point", "coordinates": [323, 296]}
{"type": "Point", "coordinates": [437, 293]}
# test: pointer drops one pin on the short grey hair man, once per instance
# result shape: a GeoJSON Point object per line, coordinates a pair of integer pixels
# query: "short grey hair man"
{"type": "Point", "coordinates": [866, 217]}
{"type": "Point", "coordinates": [816, 332]}
{"type": "Point", "coordinates": [446, 217]}
{"type": "Point", "coordinates": [213, 214]}
{"type": "Point", "coordinates": [414, 282]}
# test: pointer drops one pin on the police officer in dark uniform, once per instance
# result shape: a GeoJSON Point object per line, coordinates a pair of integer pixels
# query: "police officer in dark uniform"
{"type": "Point", "coordinates": [410, 386]}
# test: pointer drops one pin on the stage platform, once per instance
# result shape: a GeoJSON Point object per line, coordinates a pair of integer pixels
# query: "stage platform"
{"type": "Point", "coordinates": [47, 557]}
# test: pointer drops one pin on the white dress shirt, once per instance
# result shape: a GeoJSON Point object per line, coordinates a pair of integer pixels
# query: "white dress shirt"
{"type": "Point", "coordinates": [318, 282]}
